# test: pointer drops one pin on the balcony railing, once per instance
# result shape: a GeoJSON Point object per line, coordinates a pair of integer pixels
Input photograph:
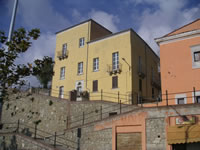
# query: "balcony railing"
{"type": "Point", "coordinates": [141, 71]}
{"type": "Point", "coordinates": [114, 69]}
{"type": "Point", "coordinates": [62, 55]}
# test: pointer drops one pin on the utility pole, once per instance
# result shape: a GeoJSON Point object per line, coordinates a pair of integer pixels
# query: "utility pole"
{"type": "Point", "coordinates": [12, 23]}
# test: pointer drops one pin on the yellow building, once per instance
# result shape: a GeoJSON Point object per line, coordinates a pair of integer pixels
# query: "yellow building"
{"type": "Point", "coordinates": [109, 66]}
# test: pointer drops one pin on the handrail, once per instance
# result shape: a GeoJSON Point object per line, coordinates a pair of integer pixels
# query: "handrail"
{"type": "Point", "coordinates": [19, 127]}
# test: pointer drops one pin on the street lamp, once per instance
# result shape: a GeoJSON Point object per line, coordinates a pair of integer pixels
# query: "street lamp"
{"type": "Point", "coordinates": [127, 63]}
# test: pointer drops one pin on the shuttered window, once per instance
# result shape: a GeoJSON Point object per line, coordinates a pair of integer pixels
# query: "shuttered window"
{"type": "Point", "coordinates": [115, 82]}
{"type": "Point", "coordinates": [95, 85]}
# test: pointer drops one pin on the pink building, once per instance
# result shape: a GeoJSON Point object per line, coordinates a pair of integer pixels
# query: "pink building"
{"type": "Point", "coordinates": [180, 64]}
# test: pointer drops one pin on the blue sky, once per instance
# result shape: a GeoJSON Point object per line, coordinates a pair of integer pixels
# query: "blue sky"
{"type": "Point", "coordinates": [149, 18]}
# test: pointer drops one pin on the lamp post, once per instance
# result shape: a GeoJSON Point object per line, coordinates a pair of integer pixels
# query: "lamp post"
{"type": "Point", "coordinates": [12, 23]}
{"type": "Point", "coordinates": [127, 63]}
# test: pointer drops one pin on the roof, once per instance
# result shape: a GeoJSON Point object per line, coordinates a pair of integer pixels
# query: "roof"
{"type": "Point", "coordinates": [195, 25]}
{"type": "Point", "coordinates": [81, 24]}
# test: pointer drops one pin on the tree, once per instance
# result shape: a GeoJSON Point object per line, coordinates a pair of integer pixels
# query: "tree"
{"type": "Point", "coordinates": [11, 73]}
{"type": "Point", "coordinates": [43, 70]}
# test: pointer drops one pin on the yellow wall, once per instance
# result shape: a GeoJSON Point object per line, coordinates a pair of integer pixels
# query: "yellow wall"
{"type": "Point", "coordinates": [126, 43]}
{"type": "Point", "coordinates": [76, 54]}
{"type": "Point", "coordinates": [103, 49]}
{"type": "Point", "coordinates": [149, 60]}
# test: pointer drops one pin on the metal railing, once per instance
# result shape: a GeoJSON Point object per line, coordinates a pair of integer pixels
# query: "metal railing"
{"type": "Point", "coordinates": [37, 134]}
{"type": "Point", "coordinates": [114, 69]}
{"type": "Point", "coordinates": [62, 55]}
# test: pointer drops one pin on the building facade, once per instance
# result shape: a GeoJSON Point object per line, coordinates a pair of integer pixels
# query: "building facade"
{"type": "Point", "coordinates": [91, 58]}
{"type": "Point", "coordinates": [180, 64]}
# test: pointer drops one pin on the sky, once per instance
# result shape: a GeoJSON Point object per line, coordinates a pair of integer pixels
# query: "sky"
{"type": "Point", "coordinates": [149, 18]}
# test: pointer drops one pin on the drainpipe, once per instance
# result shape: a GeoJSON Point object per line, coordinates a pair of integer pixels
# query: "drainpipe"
{"type": "Point", "coordinates": [87, 56]}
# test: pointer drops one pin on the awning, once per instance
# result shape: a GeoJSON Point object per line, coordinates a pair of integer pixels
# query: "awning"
{"type": "Point", "coordinates": [183, 134]}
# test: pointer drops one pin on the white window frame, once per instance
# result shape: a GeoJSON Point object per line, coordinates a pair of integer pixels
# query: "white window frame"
{"type": "Point", "coordinates": [177, 96]}
{"type": "Point", "coordinates": [115, 61]}
{"type": "Point", "coordinates": [195, 48]}
{"type": "Point", "coordinates": [96, 64]}
{"type": "Point", "coordinates": [64, 49]}
{"type": "Point", "coordinates": [62, 73]}
{"type": "Point", "coordinates": [61, 92]}
{"type": "Point", "coordinates": [197, 93]}
{"type": "Point", "coordinates": [81, 42]}
{"type": "Point", "coordinates": [80, 68]}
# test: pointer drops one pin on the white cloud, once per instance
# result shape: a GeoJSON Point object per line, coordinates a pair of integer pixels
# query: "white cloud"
{"type": "Point", "coordinates": [44, 46]}
{"type": "Point", "coordinates": [41, 14]}
{"type": "Point", "coordinates": [77, 16]}
{"type": "Point", "coordinates": [107, 20]}
{"type": "Point", "coordinates": [167, 16]}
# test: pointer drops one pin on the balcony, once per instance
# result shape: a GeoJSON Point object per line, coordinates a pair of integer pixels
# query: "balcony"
{"type": "Point", "coordinates": [62, 55]}
{"type": "Point", "coordinates": [114, 69]}
{"type": "Point", "coordinates": [141, 71]}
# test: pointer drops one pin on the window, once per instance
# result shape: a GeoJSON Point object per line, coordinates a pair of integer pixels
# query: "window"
{"type": "Point", "coordinates": [64, 50]}
{"type": "Point", "coordinates": [181, 98]}
{"type": "Point", "coordinates": [115, 61]}
{"type": "Point", "coordinates": [62, 73]}
{"type": "Point", "coordinates": [197, 99]}
{"type": "Point", "coordinates": [80, 68]}
{"type": "Point", "coordinates": [180, 101]}
{"type": "Point", "coordinates": [195, 52]}
{"type": "Point", "coordinates": [197, 56]}
{"type": "Point", "coordinates": [95, 86]}
{"type": "Point", "coordinates": [61, 92]}
{"type": "Point", "coordinates": [81, 42]}
{"type": "Point", "coordinates": [140, 85]}
{"type": "Point", "coordinates": [153, 96]}
{"type": "Point", "coordinates": [115, 82]}
{"type": "Point", "coordinates": [95, 64]}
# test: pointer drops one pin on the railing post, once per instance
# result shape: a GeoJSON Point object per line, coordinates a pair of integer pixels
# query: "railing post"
{"type": "Point", "coordinates": [101, 95]}
{"type": "Point", "coordinates": [78, 138]}
{"type": "Point", "coordinates": [141, 100]}
{"type": "Point", "coordinates": [35, 134]}
{"type": "Point", "coordinates": [166, 97]}
{"type": "Point", "coordinates": [120, 107]}
{"type": "Point", "coordinates": [101, 111]}
{"type": "Point", "coordinates": [55, 140]}
{"type": "Point", "coordinates": [194, 91]}
{"type": "Point", "coordinates": [83, 118]}
{"type": "Point", "coordinates": [118, 96]}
